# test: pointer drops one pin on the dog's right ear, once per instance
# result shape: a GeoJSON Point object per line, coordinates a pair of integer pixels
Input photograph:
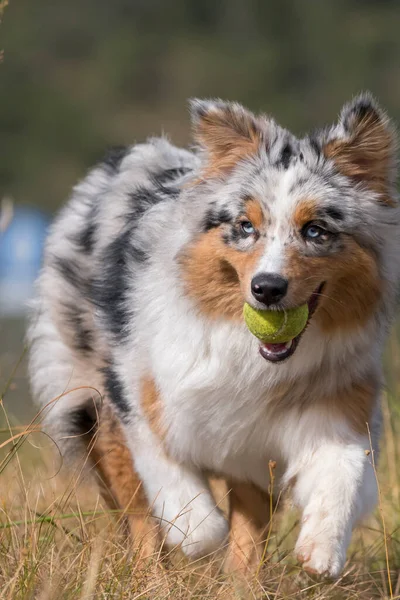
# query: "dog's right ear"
{"type": "Point", "coordinates": [226, 130]}
{"type": "Point", "coordinates": [363, 145]}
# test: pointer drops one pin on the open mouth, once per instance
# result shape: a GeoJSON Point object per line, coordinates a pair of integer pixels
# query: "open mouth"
{"type": "Point", "coordinates": [279, 352]}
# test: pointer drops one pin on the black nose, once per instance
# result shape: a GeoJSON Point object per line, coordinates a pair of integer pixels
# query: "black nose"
{"type": "Point", "coordinates": [269, 288]}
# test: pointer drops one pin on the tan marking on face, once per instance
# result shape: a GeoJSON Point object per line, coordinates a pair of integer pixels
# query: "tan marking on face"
{"type": "Point", "coordinates": [152, 407]}
{"type": "Point", "coordinates": [367, 155]}
{"type": "Point", "coordinates": [216, 275]}
{"type": "Point", "coordinates": [305, 212]}
{"type": "Point", "coordinates": [254, 213]}
{"type": "Point", "coordinates": [353, 286]}
{"type": "Point", "coordinates": [354, 291]}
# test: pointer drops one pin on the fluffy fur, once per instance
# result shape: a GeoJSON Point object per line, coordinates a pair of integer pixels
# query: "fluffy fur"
{"type": "Point", "coordinates": [145, 274]}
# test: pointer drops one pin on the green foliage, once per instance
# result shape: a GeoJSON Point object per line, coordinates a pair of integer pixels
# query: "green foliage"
{"type": "Point", "coordinates": [82, 75]}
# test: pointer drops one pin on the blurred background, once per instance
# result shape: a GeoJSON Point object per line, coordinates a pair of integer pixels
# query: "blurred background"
{"type": "Point", "coordinates": [79, 76]}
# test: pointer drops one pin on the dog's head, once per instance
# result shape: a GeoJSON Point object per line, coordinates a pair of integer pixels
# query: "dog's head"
{"type": "Point", "coordinates": [281, 221]}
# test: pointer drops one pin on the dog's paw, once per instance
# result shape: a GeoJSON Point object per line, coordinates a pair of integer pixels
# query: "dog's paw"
{"type": "Point", "coordinates": [320, 559]}
{"type": "Point", "coordinates": [319, 551]}
{"type": "Point", "coordinates": [206, 536]}
{"type": "Point", "coordinates": [198, 533]}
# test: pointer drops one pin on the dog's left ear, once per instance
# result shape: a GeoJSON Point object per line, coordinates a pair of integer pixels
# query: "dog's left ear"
{"type": "Point", "coordinates": [363, 145]}
{"type": "Point", "coordinates": [226, 131]}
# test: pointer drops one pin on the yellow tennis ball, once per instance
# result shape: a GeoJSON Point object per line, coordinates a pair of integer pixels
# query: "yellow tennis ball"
{"type": "Point", "coordinates": [276, 326]}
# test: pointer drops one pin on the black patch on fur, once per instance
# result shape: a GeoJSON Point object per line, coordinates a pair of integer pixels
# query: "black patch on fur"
{"type": "Point", "coordinates": [163, 181]}
{"type": "Point", "coordinates": [109, 291]}
{"type": "Point", "coordinates": [84, 239]}
{"type": "Point", "coordinates": [83, 421]}
{"type": "Point", "coordinates": [232, 237]}
{"type": "Point", "coordinates": [83, 337]}
{"type": "Point", "coordinates": [115, 390]}
{"type": "Point", "coordinates": [171, 174]}
{"type": "Point", "coordinates": [358, 112]}
{"type": "Point", "coordinates": [70, 273]}
{"type": "Point", "coordinates": [142, 199]}
{"type": "Point", "coordinates": [334, 213]}
{"type": "Point", "coordinates": [114, 157]}
{"type": "Point", "coordinates": [215, 218]}
{"type": "Point", "coordinates": [138, 254]}
{"type": "Point", "coordinates": [200, 110]}
{"type": "Point", "coordinates": [286, 156]}
{"type": "Point", "coordinates": [87, 239]}
{"type": "Point", "coordinates": [315, 144]}
{"type": "Point", "coordinates": [362, 109]}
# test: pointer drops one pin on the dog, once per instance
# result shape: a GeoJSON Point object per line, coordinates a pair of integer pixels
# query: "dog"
{"type": "Point", "coordinates": [138, 325]}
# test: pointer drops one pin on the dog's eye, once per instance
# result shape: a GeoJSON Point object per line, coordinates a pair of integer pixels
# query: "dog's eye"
{"type": "Point", "coordinates": [315, 232]}
{"type": "Point", "coordinates": [247, 227]}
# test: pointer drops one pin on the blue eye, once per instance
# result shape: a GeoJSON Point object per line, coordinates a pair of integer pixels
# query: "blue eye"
{"type": "Point", "coordinates": [314, 232]}
{"type": "Point", "coordinates": [247, 227]}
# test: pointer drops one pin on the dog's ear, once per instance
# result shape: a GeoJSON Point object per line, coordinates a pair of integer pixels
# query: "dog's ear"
{"type": "Point", "coordinates": [226, 130]}
{"type": "Point", "coordinates": [363, 145]}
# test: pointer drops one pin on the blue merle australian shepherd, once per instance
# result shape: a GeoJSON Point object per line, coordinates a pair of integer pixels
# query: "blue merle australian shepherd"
{"type": "Point", "coordinates": [137, 331]}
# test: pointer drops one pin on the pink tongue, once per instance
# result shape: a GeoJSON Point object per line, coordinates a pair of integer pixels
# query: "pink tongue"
{"type": "Point", "coordinates": [276, 347]}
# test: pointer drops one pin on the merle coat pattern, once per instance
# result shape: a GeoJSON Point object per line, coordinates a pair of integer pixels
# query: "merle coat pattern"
{"type": "Point", "coordinates": [140, 299]}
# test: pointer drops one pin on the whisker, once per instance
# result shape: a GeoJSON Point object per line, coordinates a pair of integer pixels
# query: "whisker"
{"type": "Point", "coordinates": [330, 298]}
{"type": "Point", "coordinates": [310, 277]}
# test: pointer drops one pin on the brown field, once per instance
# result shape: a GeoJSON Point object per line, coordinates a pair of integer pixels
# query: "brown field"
{"type": "Point", "coordinates": [58, 540]}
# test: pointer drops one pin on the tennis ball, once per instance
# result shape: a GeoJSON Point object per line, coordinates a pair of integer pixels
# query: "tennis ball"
{"type": "Point", "coordinates": [275, 326]}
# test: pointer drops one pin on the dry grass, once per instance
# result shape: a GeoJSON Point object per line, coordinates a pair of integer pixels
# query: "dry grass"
{"type": "Point", "coordinates": [57, 540]}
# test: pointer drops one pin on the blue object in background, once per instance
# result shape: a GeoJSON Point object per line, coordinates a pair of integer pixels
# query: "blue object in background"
{"type": "Point", "coordinates": [21, 247]}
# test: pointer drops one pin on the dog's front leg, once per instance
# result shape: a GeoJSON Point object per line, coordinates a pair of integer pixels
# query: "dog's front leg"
{"type": "Point", "coordinates": [334, 486]}
{"type": "Point", "coordinates": [180, 498]}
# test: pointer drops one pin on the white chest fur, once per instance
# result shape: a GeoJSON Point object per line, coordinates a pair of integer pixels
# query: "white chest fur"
{"type": "Point", "coordinates": [218, 396]}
